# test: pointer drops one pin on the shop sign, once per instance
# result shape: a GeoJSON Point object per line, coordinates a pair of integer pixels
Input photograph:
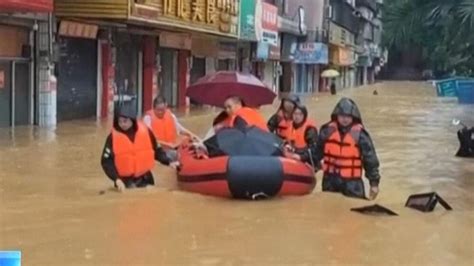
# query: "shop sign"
{"type": "Point", "coordinates": [263, 50]}
{"type": "Point", "coordinates": [289, 47]}
{"type": "Point", "coordinates": [2, 79]}
{"type": "Point", "coordinates": [176, 40]}
{"type": "Point", "coordinates": [275, 51]}
{"type": "Point", "coordinates": [259, 22]}
{"type": "Point", "coordinates": [340, 36]}
{"type": "Point", "coordinates": [312, 53]}
{"type": "Point", "coordinates": [267, 51]}
{"type": "Point", "coordinates": [78, 30]}
{"type": "Point", "coordinates": [213, 16]}
{"type": "Point", "coordinates": [269, 24]}
{"type": "Point", "coordinates": [365, 61]}
{"type": "Point", "coordinates": [227, 50]}
{"type": "Point", "coordinates": [248, 16]}
{"type": "Point", "coordinates": [26, 5]}
{"type": "Point", "coordinates": [342, 57]}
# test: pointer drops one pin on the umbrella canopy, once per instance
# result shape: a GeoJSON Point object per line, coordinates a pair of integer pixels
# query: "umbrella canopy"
{"type": "Point", "coordinates": [248, 141]}
{"type": "Point", "coordinates": [330, 73]}
{"type": "Point", "coordinates": [214, 89]}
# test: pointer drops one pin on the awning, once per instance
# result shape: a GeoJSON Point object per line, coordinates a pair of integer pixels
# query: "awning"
{"type": "Point", "coordinates": [26, 6]}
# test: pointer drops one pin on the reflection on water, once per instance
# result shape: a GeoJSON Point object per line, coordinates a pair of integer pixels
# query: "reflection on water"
{"type": "Point", "coordinates": [51, 208]}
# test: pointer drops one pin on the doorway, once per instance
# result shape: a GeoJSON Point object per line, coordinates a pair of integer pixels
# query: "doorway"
{"type": "Point", "coordinates": [15, 93]}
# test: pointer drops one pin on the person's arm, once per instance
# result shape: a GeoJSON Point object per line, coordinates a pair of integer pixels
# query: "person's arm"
{"type": "Point", "coordinates": [309, 154]}
{"type": "Point", "coordinates": [147, 121]}
{"type": "Point", "coordinates": [160, 154]}
{"type": "Point", "coordinates": [370, 160]}
{"type": "Point", "coordinates": [182, 130]}
{"type": "Point", "coordinates": [273, 123]}
{"type": "Point", "coordinates": [324, 134]}
{"type": "Point", "coordinates": [107, 160]}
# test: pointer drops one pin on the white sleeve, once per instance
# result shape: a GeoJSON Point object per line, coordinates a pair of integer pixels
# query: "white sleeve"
{"type": "Point", "coordinates": [178, 125]}
{"type": "Point", "coordinates": [147, 121]}
{"type": "Point", "coordinates": [210, 133]}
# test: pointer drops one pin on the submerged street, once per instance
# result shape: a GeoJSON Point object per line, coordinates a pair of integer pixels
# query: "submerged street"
{"type": "Point", "coordinates": [58, 207]}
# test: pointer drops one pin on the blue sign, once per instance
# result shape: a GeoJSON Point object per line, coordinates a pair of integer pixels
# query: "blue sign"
{"type": "Point", "coordinates": [263, 49]}
{"type": "Point", "coordinates": [312, 53]}
{"type": "Point", "coordinates": [10, 258]}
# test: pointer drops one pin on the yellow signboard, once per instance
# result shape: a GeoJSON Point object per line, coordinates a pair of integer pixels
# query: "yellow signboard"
{"type": "Point", "coordinates": [212, 16]}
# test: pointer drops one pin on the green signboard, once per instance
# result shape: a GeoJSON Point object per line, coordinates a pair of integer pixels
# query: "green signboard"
{"type": "Point", "coordinates": [247, 20]}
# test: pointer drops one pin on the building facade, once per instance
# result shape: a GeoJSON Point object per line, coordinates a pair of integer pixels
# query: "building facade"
{"type": "Point", "coordinates": [27, 83]}
{"type": "Point", "coordinates": [130, 51]}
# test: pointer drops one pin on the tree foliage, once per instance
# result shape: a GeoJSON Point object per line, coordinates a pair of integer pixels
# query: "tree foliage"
{"type": "Point", "coordinates": [443, 28]}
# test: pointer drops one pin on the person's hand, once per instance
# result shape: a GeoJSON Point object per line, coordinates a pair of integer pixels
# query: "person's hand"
{"type": "Point", "coordinates": [119, 185]}
{"type": "Point", "coordinates": [295, 156]}
{"type": "Point", "coordinates": [374, 191]}
{"type": "Point", "coordinates": [175, 165]}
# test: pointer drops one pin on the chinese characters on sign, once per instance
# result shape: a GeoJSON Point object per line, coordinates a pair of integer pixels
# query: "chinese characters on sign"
{"type": "Point", "coordinates": [312, 53]}
{"type": "Point", "coordinates": [269, 24]}
{"type": "Point", "coordinates": [78, 30]}
{"type": "Point", "coordinates": [211, 15]}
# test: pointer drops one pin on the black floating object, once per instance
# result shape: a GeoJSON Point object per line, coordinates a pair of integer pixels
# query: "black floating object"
{"type": "Point", "coordinates": [376, 92]}
{"type": "Point", "coordinates": [426, 202]}
{"type": "Point", "coordinates": [375, 210]}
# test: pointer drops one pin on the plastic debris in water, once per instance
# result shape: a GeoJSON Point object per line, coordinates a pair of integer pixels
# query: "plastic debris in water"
{"type": "Point", "coordinates": [426, 202]}
{"type": "Point", "coordinates": [375, 210]}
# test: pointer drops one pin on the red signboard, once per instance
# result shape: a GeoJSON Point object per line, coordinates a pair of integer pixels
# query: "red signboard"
{"type": "Point", "coordinates": [269, 17]}
{"type": "Point", "coordinates": [26, 5]}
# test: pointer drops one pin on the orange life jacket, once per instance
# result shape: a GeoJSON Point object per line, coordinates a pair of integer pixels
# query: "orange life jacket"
{"type": "Point", "coordinates": [284, 126]}
{"type": "Point", "coordinates": [133, 159]}
{"type": "Point", "coordinates": [297, 136]}
{"type": "Point", "coordinates": [164, 128]}
{"type": "Point", "coordinates": [251, 116]}
{"type": "Point", "coordinates": [342, 155]}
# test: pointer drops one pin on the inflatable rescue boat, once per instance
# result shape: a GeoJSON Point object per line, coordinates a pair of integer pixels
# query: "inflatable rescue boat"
{"type": "Point", "coordinates": [244, 177]}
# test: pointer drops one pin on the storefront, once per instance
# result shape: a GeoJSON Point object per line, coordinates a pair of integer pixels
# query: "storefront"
{"type": "Point", "coordinates": [342, 55]}
{"type": "Point", "coordinates": [146, 47]}
{"type": "Point", "coordinates": [77, 71]}
{"type": "Point", "coordinates": [309, 56]}
{"type": "Point", "coordinates": [19, 62]}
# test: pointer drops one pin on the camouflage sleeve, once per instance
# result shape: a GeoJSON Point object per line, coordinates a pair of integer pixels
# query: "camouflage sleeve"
{"type": "Point", "coordinates": [107, 160]}
{"type": "Point", "coordinates": [370, 160]}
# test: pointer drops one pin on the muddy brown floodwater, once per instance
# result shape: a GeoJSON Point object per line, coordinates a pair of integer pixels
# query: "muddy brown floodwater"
{"type": "Point", "coordinates": [51, 209]}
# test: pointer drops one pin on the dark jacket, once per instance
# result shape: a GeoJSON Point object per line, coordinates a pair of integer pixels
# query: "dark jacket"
{"type": "Point", "coordinates": [369, 156]}
{"type": "Point", "coordinates": [311, 138]}
{"type": "Point", "coordinates": [107, 161]}
{"type": "Point", "coordinates": [275, 119]}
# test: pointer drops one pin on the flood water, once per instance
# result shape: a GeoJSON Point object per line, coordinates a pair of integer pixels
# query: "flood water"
{"type": "Point", "coordinates": [51, 208]}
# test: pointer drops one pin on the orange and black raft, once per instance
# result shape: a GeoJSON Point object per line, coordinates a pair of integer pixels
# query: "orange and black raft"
{"type": "Point", "coordinates": [244, 177]}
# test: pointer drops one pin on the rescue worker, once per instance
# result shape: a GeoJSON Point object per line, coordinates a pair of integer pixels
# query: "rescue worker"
{"type": "Point", "coordinates": [234, 106]}
{"type": "Point", "coordinates": [130, 152]}
{"type": "Point", "coordinates": [165, 126]}
{"type": "Point", "coordinates": [302, 137]}
{"type": "Point", "coordinates": [347, 150]}
{"type": "Point", "coordinates": [280, 122]}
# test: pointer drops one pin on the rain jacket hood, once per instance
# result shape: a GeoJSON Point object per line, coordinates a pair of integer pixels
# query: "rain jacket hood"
{"type": "Point", "coordinates": [291, 98]}
{"type": "Point", "coordinates": [347, 106]}
{"type": "Point", "coordinates": [304, 110]}
{"type": "Point", "coordinates": [129, 112]}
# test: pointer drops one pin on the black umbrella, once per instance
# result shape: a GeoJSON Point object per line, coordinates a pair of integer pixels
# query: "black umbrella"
{"type": "Point", "coordinates": [248, 141]}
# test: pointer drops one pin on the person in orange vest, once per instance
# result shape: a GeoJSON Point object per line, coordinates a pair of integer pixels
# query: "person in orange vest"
{"type": "Point", "coordinates": [302, 137]}
{"type": "Point", "coordinates": [235, 107]}
{"type": "Point", "coordinates": [130, 152]}
{"type": "Point", "coordinates": [165, 126]}
{"type": "Point", "coordinates": [280, 122]}
{"type": "Point", "coordinates": [347, 150]}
